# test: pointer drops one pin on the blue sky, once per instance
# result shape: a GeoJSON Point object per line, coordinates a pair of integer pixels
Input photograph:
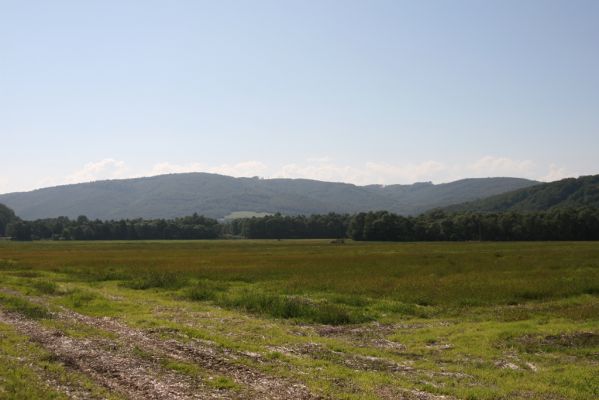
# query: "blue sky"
{"type": "Point", "coordinates": [358, 91]}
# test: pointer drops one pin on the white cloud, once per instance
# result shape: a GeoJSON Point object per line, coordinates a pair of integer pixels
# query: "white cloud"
{"type": "Point", "coordinates": [555, 174]}
{"type": "Point", "coordinates": [390, 173]}
{"type": "Point", "coordinates": [107, 168]}
{"type": "Point", "coordinates": [371, 172]}
{"type": "Point", "coordinates": [501, 166]}
{"type": "Point", "coordinates": [4, 184]}
{"type": "Point", "coordinates": [322, 168]}
{"type": "Point", "coordinates": [168, 168]}
{"type": "Point", "coordinates": [322, 171]}
{"type": "Point", "coordinates": [246, 168]}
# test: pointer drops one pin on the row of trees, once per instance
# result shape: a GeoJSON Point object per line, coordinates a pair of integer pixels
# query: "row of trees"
{"type": "Point", "coordinates": [279, 226]}
{"type": "Point", "coordinates": [559, 224]}
{"type": "Point", "coordinates": [63, 228]}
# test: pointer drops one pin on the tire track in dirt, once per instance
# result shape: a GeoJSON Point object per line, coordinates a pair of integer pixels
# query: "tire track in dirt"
{"type": "Point", "coordinates": [209, 358]}
{"type": "Point", "coordinates": [114, 365]}
{"type": "Point", "coordinates": [111, 367]}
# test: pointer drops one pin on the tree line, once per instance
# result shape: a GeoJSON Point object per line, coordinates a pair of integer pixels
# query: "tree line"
{"type": "Point", "coordinates": [558, 224]}
{"type": "Point", "coordinates": [82, 228]}
{"type": "Point", "coordinates": [6, 216]}
{"type": "Point", "coordinates": [279, 226]}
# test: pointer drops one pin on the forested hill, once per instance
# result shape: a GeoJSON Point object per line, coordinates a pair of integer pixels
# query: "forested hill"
{"type": "Point", "coordinates": [566, 193]}
{"type": "Point", "coordinates": [6, 216]}
{"type": "Point", "coordinates": [216, 196]}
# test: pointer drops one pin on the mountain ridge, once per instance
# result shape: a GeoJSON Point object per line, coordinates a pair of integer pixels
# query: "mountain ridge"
{"type": "Point", "coordinates": [214, 195]}
{"type": "Point", "coordinates": [564, 193]}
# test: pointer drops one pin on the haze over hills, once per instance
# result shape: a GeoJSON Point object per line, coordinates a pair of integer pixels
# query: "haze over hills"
{"type": "Point", "coordinates": [173, 195]}
{"type": "Point", "coordinates": [570, 192]}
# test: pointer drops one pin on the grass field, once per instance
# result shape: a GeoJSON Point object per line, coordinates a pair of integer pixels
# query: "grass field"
{"type": "Point", "coordinates": [299, 319]}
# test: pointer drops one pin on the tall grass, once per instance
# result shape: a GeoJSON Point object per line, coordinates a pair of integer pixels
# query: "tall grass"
{"type": "Point", "coordinates": [407, 275]}
{"type": "Point", "coordinates": [157, 279]}
{"type": "Point", "coordinates": [23, 307]}
{"type": "Point", "coordinates": [282, 306]}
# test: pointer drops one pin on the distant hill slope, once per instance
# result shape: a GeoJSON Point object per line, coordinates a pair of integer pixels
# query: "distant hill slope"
{"type": "Point", "coordinates": [174, 195]}
{"type": "Point", "coordinates": [571, 192]}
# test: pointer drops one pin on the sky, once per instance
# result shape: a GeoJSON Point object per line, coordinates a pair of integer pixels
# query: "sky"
{"type": "Point", "coordinates": [355, 91]}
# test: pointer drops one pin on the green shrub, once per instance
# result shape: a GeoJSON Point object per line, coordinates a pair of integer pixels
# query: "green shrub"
{"type": "Point", "coordinates": [80, 298]}
{"type": "Point", "coordinates": [205, 290]}
{"type": "Point", "coordinates": [290, 307]}
{"type": "Point", "coordinates": [23, 307]}
{"type": "Point", "coordinates": [157, 279]}
{"type": "Point", "coordinates": [334, 315]}
{"type": "Point", "coordinates": [45, 287]}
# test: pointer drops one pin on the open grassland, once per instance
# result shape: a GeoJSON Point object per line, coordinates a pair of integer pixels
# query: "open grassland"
{"type": "Point", "coordinates": [299, 319]}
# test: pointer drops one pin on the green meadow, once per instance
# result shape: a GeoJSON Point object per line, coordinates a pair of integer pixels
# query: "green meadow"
{"type": "Point", "coordinates": [349, 321]}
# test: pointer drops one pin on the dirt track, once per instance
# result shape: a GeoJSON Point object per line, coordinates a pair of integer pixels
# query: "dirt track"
{"type": "Point", "coordinates": [131, 362]}
{"type": "Point", "coordinates": [116, 364]}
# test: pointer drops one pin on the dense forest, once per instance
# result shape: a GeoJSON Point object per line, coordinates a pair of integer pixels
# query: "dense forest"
{"type": "Point", "coordinates": [82, 228]}
{"type": "Point", "coordinates": [557, 224]}
{"type": "Point", "coordinates": [565, 193]}
{"type": "Point", "coordinates": [6, 216]}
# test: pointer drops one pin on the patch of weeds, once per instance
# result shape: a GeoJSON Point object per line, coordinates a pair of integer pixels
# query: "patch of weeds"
{"type": "Point", "coordinates": [332, 314]}
{"type": "Point", "coordinates": [7, 263]}
{"type": "Point", "coordinates": [291, 307]}
{"type": "Point", "coordinates": [23, 307]}
{"type": "Point", "coordinates": [264, 303]}
{"type": "Point", "coordinates": [407, 309]}
{"type": "Point", "coordinates": [275, 355]}
{"type": "Point", "coordinates": [141, 353]}
{"type": "Point", "coordinates": [102, 274]}
{"type": "Point", "coordinates": [90, 303]}
{"type": "Point", "coordinates": [45, 287]}
{"type": "Point", "coordinates": [424, 301]}
{"type": "Point", "coordinates": [350, 300]}
{"type": "Point", "coordinates": [222, 382]}
{"type": "Point", "coordinates": [80, 298]}
{"type": "Point", "coordinates": [25, 274]}
{"type": "Point", "coordinates": [592, 290]}
{"type": "Point", "coordinates": [430, 340]}
{"type": "Point", "coordinates": [531, 295]}
{"type": "Point", "coordinates": [577, 343]}
{"type": "Point", "coordinates": [205, 290]}
{"type": "Point", "coordinates": [157, 279]}
{"type": "Point", "coordinates": [470, 302]}
{"type": "Point", "coordinates": [181, 367]}
{"type": "Point", "coordinates": [580, 312]}
{"type": "Point", "coordinates": [512, 313]}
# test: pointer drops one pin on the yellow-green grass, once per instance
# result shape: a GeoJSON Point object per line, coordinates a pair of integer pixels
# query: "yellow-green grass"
{"type": "Point", "coordinates": [474, 320]}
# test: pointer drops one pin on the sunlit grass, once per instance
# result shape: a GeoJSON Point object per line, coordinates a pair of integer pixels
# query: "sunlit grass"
{"type": "Point", "coordinates": [462, 308]}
